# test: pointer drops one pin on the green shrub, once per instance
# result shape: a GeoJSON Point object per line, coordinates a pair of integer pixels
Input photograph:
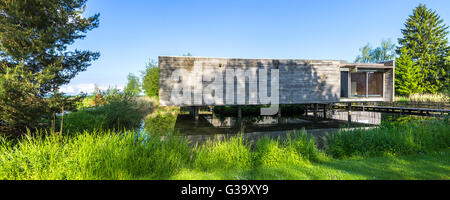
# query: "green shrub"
{"type": "Point", "coordinates": [87, 102]}
{"type": "Point", "coordinates": [120, 112]}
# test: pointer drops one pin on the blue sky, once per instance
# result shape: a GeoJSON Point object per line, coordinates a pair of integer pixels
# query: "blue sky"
{"type": "Point", "coordinates": [133, 32]}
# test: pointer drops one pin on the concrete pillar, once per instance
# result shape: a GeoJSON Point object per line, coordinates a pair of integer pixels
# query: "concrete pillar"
{"type": "Point", "coordinates": [279, 111]}
{"type": "Point", "coordinates": [306, 109]}
{"type": "Point", "coordinates": [194, 112]}
{"type": "Point", "coordinates": [316, 108]}
{"type": "Point", "coordinates": [239, 112]}
{"type": "Point", "coordinates": [349, 109]}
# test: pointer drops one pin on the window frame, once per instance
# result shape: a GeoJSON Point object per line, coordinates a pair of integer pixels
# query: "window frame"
{"type": "Point", "coordinates": [366, 71]}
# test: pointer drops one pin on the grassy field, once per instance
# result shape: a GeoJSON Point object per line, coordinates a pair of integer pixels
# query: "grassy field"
{"type": "Point", "coordinates": [408, 154]}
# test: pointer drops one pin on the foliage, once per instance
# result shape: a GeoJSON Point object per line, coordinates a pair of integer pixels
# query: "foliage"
{"type": "Point", "coordinates": [21, 103]}
{"type": "Point", "coordinates": [385, 52]}
{"type": "Point", "coordinates": [86, 102]}
{"type": "Point", "coordinates": [408, 76]}
{"type": "Point", "coordinates": [391, 139]}
{"type": "Point", "coordinates": [121, 111]}
{"type": "Point", "coordinates": [161, 122]}
{"type": "Point", "coordinates": [34, 36]}
{"type": "Point", "coordinates": [150, 79]}
{"type": "Point", "coordinates": [425, 42]}
{"type": "Point", "coordinates": [133, 86]}
{"type": "Point", "coordinates": [38, 32]}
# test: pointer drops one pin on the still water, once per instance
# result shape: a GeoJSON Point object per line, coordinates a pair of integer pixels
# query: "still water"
{"type": "Point", "coordinates": [213, 126]}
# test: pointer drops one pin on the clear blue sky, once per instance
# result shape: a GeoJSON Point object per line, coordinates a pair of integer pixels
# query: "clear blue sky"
{"type": "Point", "coordinates": [135, 31]}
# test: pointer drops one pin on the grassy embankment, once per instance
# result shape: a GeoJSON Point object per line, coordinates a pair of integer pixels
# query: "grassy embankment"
{"type": "Point", "coordinates": [412, 150]}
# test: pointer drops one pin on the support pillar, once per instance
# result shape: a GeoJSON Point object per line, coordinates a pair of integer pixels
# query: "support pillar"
{"type": "Point", "coordinates": [306, 110]}
{"type": "Point", "coordinates": [194, 112]}
{"type": "Point", "coordinates": [325, 111]}
{"type": "Point", "coordinates": [316, 109]}
{"type": "Point", "coordinates": [279, 111]}
{"type": "Point", "coordinates": [239, 112]}
{"type": "Point", "coordinates": [349, 109]}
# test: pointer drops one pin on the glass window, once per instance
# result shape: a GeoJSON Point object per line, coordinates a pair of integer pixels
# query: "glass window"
{"type": "Point", "coordinates": [375, 80]}
{"type": "Point", "coordinates": [358, 85]}
{"type": "Point", "coordinates": [344, 84]}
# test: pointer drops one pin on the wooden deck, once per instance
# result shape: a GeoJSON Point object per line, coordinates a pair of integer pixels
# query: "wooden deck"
{"type": "Point", "coordinates": [399, 110]}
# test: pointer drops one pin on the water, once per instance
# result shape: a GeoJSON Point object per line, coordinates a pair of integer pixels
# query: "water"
{"type": "Point", "coordinates": [254, 127]}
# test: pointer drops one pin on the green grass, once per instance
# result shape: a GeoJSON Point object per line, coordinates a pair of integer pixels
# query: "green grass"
{"type": "Point", "coordinates": [431, 166]}
{"type": "Point", "coordinates": [391, 139]}
{"type": "Point", "coordinates": [130, 155]}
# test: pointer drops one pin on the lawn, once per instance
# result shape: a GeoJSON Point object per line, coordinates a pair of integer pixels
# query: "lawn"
{"type": "Point", "coordinates": [430, 166]}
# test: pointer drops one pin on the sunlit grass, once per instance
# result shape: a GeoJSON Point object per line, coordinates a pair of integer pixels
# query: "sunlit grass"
{"type": "Point", "coordinates": [130, 155]}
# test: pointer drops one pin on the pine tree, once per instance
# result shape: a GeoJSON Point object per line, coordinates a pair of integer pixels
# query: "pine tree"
{"type": "Point", "coordinates": [34, 59]}
{"type": "Point", "coordinates": [407, 75]}
{"type": "Point", "coordinates": [425, 40]}
{"type": "Point", "coordinates": [37, 33]}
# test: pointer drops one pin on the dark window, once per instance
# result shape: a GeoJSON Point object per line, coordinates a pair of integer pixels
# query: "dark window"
{"type": "Point", "coordinates": [358, 84]}
{"type": "Point", "coordinates": [375, 80]}
{"type": "Point", "coordinates": [344, 84]}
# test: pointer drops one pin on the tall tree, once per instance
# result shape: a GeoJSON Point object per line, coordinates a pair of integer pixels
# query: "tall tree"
{"type": "Point", "coordinates": [38, 32]}
{"type": "Point", "coordinates": [407, 75]}
{"type": "Point", "coordinates": [150, 79]}
{"type": "Point", "coordinates": [425, 40]}
{"type": "Point", "coordinates": [365, 54]}
{"type": "Point", "coordinates": [384, 52]}
{"type": "Point", "coordinates": [133, 86]}
{"type": "Point", "coordinates": [34, 36]}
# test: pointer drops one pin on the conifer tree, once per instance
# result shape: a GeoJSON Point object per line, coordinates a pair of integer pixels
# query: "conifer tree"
{"type": "Point", "coordinates": [425, 40]}
{"type": "Point", "coordinates": [407, 75]}
{"type": "Point", "coordinates": [34, 58]}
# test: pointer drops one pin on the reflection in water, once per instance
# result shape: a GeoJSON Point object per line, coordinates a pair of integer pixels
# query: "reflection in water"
{"type": "Point", "coordinates": [373, 118]}
{"type": "Point", "coordinates": [214, 124]}
{"type": "Point", "coordinates": [218, 127]}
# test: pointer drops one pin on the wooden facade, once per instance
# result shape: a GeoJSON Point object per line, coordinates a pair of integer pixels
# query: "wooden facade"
{"type": "Point", "coordinates": [230, 81]}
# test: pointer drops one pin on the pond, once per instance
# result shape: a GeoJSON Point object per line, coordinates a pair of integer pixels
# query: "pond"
{"type": "Point", "coordinates": [212, 126]}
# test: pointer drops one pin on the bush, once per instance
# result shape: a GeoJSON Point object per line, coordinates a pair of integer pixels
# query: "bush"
{"type": "Point", "coordinates": [391, 139]}
{"type": "Point", "coordinates": [120, 112]}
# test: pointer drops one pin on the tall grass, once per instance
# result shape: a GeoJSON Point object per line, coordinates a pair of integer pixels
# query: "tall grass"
{"type": "Point", "coordinates": [130, 155]}
{"type": "Point", "coordinates": [421, 98]}
{"type": "Point", "coordinates": [95, 155]}
{"type": "Point", "coordinates": [391, 139]}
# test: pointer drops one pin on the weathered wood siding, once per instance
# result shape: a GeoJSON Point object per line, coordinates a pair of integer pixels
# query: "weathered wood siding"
{"type": "Point", "coordinates": [389, 90]}
{"type": "Point", "coordinates": [300, 81]}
